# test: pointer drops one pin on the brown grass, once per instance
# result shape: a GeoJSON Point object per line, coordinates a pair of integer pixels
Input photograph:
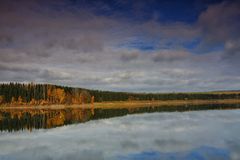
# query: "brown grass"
{"type": "Point", "coordinates": [127, 104]}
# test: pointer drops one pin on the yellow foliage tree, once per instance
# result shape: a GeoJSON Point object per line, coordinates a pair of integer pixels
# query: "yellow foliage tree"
{"type": "Point", "coordinates": [50, 94]}
{"type": "Point", "coordinates": [56, 95]}
{"type": "Point", "coordinates": [32, 102]}
{"type": "Point", "coordinates": [43, 102]}
{"type": "Point", "coordinates": [92, 99]}
{"type": "Point", "coordinates": [20, 100]}
{"type": "Point", "coordinates": [60, 95]}
{"type": "Point", "coordinates": [13, 101]}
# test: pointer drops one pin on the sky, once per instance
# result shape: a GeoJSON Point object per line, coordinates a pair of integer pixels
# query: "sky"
{"type": "Point", "coordinates": [118, 45]}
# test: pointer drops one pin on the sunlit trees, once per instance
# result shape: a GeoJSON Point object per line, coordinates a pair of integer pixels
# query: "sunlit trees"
{"type": "Point", "coordinates": [13, 101]}
{"type": "Point", "coordinates": [50, 94]}
{"type": "Point", "coordinates": [76, 96]}
{"type": "Point", "coordinates": [33, 102]}
{"type": "Point", "coordinates": [20, 100]}
{"type": "Point", "coordinates": [2, 99]}
{"type": "Point", "coordinates": [92, 99]}
{"type": "Point", "coordinates": [85, 97]}
{"type": "Point", "coordinates": [60, 95]}
{"type": "Point", "coordinates": [68, 98]}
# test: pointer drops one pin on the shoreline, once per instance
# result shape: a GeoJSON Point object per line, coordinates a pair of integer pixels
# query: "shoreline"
{"type": "Point", "coordinates": [122, 104]}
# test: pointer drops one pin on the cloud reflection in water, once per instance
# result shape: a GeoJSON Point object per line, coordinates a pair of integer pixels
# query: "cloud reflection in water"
{"type": "Point", "coordinates": [189, 135]}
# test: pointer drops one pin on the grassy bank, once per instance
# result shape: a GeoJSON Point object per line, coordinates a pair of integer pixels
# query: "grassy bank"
{"type": "Point", "coordinates": [126, 104]}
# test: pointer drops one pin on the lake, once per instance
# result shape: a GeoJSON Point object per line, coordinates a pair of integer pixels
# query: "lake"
{"type": "Point", "coordinates": [15, 119]}
{"type": "Point", "coordinates": [199, 135]}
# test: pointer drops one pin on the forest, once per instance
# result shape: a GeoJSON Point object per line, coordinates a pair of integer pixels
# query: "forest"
{"type": "Point", "coordinates": [47, 94]}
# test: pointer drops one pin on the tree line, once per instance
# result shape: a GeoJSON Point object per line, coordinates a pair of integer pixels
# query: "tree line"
{"type": "Point", "coordinates": [41, 94]}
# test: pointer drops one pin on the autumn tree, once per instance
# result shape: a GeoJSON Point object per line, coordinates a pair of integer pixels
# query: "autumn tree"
{"type": "Point", "coordinates": [60, 95]}
{"type": "Point", "coordinates": [92, 105]}
{"type": "Point", "coordinates": [13, 101]}
{"type": "Point", "coordinates": [2, 100]}
{"type": "Point", "coordinates": [92, 99]}
{"type": "Point", "coordinates": [68, 98]}
{"type": "Point", "coordinates": [85, 97]}
{"type": "Point", "coordinates": [33, 102]}
{"type": "Point", "coordinates": [20, 100]}
{"type": "Point", "coordinates": [49, 94]}
{"type": "Point", "coordinates": [76, 96]}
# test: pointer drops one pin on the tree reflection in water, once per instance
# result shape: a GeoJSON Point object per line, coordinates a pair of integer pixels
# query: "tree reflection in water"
{"type": "Point", "coordinates": [21, 119]}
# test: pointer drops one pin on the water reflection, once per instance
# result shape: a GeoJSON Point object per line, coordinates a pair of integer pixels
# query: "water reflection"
{"type": "Point", "coordinates": [20, 119]}
{"type": "Point", "coordinates": [201, 153]}
{"type": "Point", "coordinates": [199, 135]}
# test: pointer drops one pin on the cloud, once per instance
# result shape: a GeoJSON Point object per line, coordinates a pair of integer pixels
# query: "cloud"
{"type": "Point", "coordinates": [23, 72]}
{"type": "Point", "coordinates": [84, 43]}
{"type": "Point", "coordinates": [118, 77]}
{"type": "Point", "coordinates": [5, 40]}
{"type": "Point", "coordinates": [219, 27]}
{"type": "Point", "coordinates": [170, 56]}
{"type": "Point", "coordinates": [177, 30]}
{"type": "Point", "coordinates": [232, 52]}
{"type": "Point", "coordinates": [129, 56]}
{"type": "Point", "coordinates": [54, 75]}
{"type": "Point", "coordinates": [16, 68]}
{"type": "Point", "coordinates": [112, 51]}
{"type": "Point", "coordinates": [129, 145]}
{"type": "Point", "coordinates": [220, 22]}
{"type": "Point", "coordinates": [36, 152]}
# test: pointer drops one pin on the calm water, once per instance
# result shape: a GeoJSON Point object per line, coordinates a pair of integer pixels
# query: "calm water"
{"type": "Point", "coordinates": [22, 119]}
{"type": "Point", "coordinates": [194, 135]}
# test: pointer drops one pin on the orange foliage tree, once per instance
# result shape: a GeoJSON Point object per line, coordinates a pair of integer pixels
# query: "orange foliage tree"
{"type": "Point", "coordinates": [60, 95]}
{"type": "Point", "coordinates": [20, 100]}
{"type": "Point", "coordinates": [56, 95]}
{"type": "Point", "coordinates": [1, 99]}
